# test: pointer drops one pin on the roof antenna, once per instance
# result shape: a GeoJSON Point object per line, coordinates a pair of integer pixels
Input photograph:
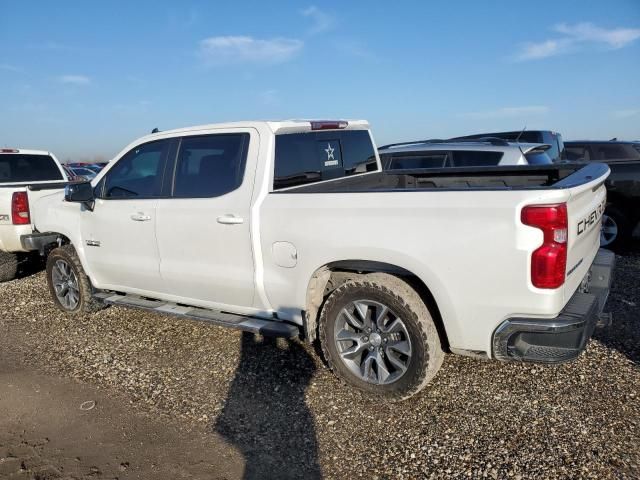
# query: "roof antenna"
{"type": "Point", "coordinates": [155, 130]}
{"type": "Point", "coordinates": [520, 134]}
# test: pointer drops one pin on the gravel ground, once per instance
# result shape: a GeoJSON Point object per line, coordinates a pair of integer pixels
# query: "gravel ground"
{"type": "Point", "coordinates": [277, 404]}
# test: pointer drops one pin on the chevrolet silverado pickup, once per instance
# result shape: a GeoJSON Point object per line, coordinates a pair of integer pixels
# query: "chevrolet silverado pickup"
{"type": "Point", "coordinates": [292, 228]}
{"type": "Point", "coordinates": [25, 176]}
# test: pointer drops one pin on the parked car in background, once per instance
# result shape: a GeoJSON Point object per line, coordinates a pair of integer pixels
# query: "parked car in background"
{"type": "Point", "coordinates": [84, 172]}
{"type": "Point", "coordinates": [483, 152]}
{"type": "Point", "coordinates": [25, 177]}
{"type": "Point", "coordinates": [292, 228]}
{"type": "Point", "coordinates": [94, 167]}
{"type": "Point", "coordinates": [70, 175]}
{"type": "Point", "coordinates": [622, 216]}
{"type": "Point", "coordinates": [554, 139]}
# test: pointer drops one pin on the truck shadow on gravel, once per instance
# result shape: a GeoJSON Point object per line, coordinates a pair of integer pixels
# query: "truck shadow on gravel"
{"type": "Point", "coordinates": [265, 415]}
{"type": "Point", "coordinates": [29, 264]}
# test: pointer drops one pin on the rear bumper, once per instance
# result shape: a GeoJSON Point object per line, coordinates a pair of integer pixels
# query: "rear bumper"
{"type": "Point", "coordinates": [38, 241]}
{"type": "Point", "coordinates": [564, 337]}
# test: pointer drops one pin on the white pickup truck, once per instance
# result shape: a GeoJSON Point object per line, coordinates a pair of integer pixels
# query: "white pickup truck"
{"type": "Point", "coordinates": [291, 228]}
{"type": "Point", "coordinates": [25, 177]}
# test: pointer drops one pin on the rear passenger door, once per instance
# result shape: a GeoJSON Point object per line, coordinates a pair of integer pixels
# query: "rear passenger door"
{"type": "Point", "coordinates": [204, 229]}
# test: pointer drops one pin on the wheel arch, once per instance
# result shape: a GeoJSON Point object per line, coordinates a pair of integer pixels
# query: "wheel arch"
{"type": "Point", "coordinates": [330, 276]}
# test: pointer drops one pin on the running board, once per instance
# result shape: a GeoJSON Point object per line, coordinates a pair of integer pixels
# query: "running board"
{"type": "Point", "coordinates": [271, 328]}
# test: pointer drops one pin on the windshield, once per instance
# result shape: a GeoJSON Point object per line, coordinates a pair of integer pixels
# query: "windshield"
{"type": "Point", "coordinates": [19, 167]}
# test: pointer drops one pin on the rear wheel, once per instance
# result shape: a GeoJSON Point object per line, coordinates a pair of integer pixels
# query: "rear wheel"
{"type": "Point", "coordinates": [378, 335]}
{"type": "Point", "coordinates": [8, 266]}
{"type": "Point", "coordinates": [69, 285]}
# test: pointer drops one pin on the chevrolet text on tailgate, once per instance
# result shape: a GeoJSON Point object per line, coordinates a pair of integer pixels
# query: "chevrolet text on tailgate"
{"type": "Point", "coordinates": [291, 228]}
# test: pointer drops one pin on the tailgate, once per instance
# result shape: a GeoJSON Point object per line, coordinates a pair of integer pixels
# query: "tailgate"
{"type": "Point", "coordinates": [584, 208]}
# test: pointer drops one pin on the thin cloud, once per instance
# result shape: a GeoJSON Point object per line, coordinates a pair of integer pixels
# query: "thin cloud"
{"type": "Point", "coordinates": [577, 37]}
{"type": "Point", "coordinates": [10, 68]}
{"type": "Point", "coordinates": [508, 112]}
{"type": "Point", "coordinates": [226, 50]}
{"type": "Point", "coordinates": [588, 32]}
{"type": "Point", "coordinates": [322, 21]}
{"type": "Point", "coordinates": [74, 79]}
{"type": "Point", "coordinates": [632, 112]}
{"type": "Point", "coordinates": [548, 48]}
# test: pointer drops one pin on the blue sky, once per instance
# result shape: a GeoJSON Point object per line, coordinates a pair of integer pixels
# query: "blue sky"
{"type": "Point", "coordinates": [83, 79]}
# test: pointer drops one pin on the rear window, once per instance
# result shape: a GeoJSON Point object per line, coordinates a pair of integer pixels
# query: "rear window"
{"type": "Point", "coordinates": [413, 160]}
{"type": "Point", "coordinates": [19, 167]}
{"type": "Point", "coordinates": [463, 158]}
{"type": "Point", "coordinates": [538, 158]}
{"type": "Point", "coordinates": [309, 157]}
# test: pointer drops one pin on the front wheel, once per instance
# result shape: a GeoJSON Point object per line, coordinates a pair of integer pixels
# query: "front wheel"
{"type": "Point", "coordinates": [69, 285]}
{"type": "Point", "coordinates": [378, 335]}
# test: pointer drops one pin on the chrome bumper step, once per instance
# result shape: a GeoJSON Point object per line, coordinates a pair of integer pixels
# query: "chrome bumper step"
{"type": "Point", "coordinates": [271, 328]}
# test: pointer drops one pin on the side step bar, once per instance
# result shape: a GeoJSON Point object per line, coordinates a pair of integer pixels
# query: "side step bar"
{"type": "Point", "coordinates": [271, 328]}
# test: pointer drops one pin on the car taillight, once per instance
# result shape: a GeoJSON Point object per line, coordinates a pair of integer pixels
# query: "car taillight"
{"type": "Point", "coordinates": [20, 209]}
{"type": "Point", "coordinates": [549, 261]}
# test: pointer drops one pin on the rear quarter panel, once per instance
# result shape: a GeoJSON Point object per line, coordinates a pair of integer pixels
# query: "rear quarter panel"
{"type": "Point", "coordinates": [468, 247]}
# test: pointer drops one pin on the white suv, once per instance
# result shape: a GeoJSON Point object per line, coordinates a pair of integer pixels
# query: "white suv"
{"type": "Point", "coordinates": [489, 152]}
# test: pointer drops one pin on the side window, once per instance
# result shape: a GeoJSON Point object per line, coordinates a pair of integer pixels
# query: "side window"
{"type": "Point", "coordinates": [210, 165]}
{"type": "Point", "coordinates": [577, 153]}
{"type": "Point", "coordinates": [416, 160]}
{"type": "Point", "coordinates": [611, 152]}
{"type": "Point", "coordinates": [139, 173]}
{"type": "Point", "coordinates": [463, 158]}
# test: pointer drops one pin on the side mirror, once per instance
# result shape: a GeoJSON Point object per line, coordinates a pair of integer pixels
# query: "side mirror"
{"type": "Point", "coordinates": [79, 193]}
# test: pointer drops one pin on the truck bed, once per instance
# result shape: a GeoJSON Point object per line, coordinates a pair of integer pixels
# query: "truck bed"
{"type": "Point", "coordinates": [533, 177]}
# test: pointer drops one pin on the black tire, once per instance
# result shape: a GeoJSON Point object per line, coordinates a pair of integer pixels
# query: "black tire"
{"type": "Point", "coordinates": [86, 303]}
{"type": "Point", "coordinates": [8, 266]}
{"type": "Point", "coordinates": [426, 352]}
{"type": "Point", "coordinates": [622, 223]}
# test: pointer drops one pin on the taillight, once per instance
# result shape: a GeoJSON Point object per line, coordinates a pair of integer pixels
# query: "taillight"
{"type": "Point", "coordinates": [20, 209]}
{"type": "Point", "coordinates": [549, 261]}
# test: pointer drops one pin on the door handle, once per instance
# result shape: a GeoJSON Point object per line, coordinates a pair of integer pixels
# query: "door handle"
{"type": "Point", "coordinates": [140, 217]}
{"type": "Point", "coordinates": [230, 220]}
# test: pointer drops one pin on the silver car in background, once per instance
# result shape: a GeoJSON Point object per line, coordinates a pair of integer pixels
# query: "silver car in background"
{"type": "Point", "coordinates": [486, 152]}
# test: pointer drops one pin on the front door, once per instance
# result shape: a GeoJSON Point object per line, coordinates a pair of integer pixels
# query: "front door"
{"type": "Point", "coordinates": [119, 234]}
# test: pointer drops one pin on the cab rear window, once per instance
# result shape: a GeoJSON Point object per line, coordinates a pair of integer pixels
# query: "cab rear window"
{"type": "Point", "coordinates": [309, 157]}
{"type": "Point", "coordinates": [20, 167]}
{"type": "Point", "coordinates": [537, 157]}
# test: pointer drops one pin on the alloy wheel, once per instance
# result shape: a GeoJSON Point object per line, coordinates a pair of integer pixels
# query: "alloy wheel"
{"type": "Point", "coordinates": [373, 342]}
